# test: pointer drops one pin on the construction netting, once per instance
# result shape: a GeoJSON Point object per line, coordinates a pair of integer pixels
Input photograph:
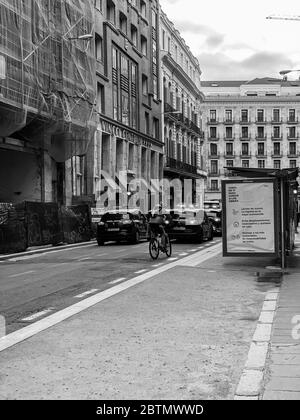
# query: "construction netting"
{"type": "Point", "coordinates": [47, 72]}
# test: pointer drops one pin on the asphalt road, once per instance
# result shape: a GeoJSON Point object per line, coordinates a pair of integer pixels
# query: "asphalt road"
{"type": "Point", "coordinates": [33, 286]}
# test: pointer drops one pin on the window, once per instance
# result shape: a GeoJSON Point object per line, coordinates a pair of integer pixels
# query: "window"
{"type": "Point", "coordinates": [99, 47]}
{"type": "Point", "coordinates": [213, 115]}
{"type": "Point", "coordinates": [144, 45]}
{"type": "Point", "coordinates": [261, 164]}
{"type": "Point", "coordinates": [293, 164]}
{"type": "Point", "coordinates": [244, 115]}
{"type": "Point", "coordinates": [130, 156]}
{"type": "Point", "coordinates": [245, 149]}
{"type": "Point", "coordinates": [78, 175]}
{"type": "Point", "coordinates": [292, 132]}
{"type": "Point", "coordinates": [125, 90]}
{"type": "Point", "coordinates": [213, 149]}
{"type": "Point", "coordinates": [155, 133]}
{"type": "Point", "coordinates": [292, 115]}
{"type": "Point", "coordinates": [143, 9]}
{"type": "Point", "coordinates": [214, 183]}
{"type": "Point", "coordinates": [260, 115]}
{"type": "Point", "coordinates": [163, 40]}
{"type": "Point", "coordinates": [276, 132]}
{"type": "Point", "coordinates": [214, 167]}
{"type": "Point", "coordinates": [169, 45]}
{"type": "Point", "coordinates": [100, 98]}
{"type": "Point", "coordinates": [98, 5]}
{"type": "Point", "coordinates": [123, 23]}
{"type": "Point", "coordinates": [111, 12]}
{"type": "Point", "coordinates": [276, 115]}
{"type": "Point", "coordinates": [245, 132]}
{"type": "Point", "coordinates": [134, 35]}
{"type": "Point", "coordinates": [229, 149]}
{"type": "Point", "coordinates": [228, 132]}
{"type": "Point", "coordinates": [228, 115]}
{"type": "Point", "coordinates": [245, 163]}
{"type": "Point", "coordinates": [276, 147]}
{"type": "Point", "coordinates": [229, 163]}
{"type": "Point", "coordinates": [145, 85]}
{"type": "Point", "coordinates": [292, 148]}
{"type": "Point", "coordinates": [261, 148]}
{"type": "Point", "coordinates": [176, 53]}
{"type": "Point", "coordinates": [277, 164]}
{"type": "Point", "coordinates": [213, 132]}
{"type": "Point", "coordinates": [147, 123]}
{"type": "Point", "coordinates": [260, 132]}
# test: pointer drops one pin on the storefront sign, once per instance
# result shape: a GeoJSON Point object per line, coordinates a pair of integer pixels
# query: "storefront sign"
{"type": "Point", "coordinates": [122, 133]}
{"type": "Point", "coordinates": [249, 217]}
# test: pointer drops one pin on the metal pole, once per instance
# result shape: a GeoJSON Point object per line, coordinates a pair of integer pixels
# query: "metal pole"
{"type": "Point", "coordinates": [282, 224]}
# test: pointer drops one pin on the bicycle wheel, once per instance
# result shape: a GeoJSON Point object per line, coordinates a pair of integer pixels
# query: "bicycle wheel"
{"type": "Point", "coordinates": [168, 249]}
{"type": "Point", "coordinates": [154, 248]}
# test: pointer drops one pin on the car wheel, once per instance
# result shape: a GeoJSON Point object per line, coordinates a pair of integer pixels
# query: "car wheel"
{"type": "Point", "coordinates": [100, 242]}
{"type": "Point", "coordinates": [200, 237]}
{"type": "Point", "coordinates": [136, 237]}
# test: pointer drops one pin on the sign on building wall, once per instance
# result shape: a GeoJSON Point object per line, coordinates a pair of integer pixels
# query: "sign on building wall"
{"type": "Point", "coordinates": [249, 217]}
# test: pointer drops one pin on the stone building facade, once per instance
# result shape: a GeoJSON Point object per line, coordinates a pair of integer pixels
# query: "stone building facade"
{"type": "Point", "coordinates": [128, 144]}
{"type": "Point", "coordinates": [251, 124]}
{"type": "Point", "coordinates": [182, 100]}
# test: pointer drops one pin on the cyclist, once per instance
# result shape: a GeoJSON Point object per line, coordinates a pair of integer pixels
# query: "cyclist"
{"type": "Point", "coordinates": [156, 224]}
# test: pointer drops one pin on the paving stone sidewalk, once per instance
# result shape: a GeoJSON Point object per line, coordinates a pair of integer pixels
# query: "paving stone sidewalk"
{"type": "Point", "coordinates": [282, 379]}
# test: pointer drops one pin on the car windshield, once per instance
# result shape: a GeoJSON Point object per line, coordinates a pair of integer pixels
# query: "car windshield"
{"type": "Point", "coordinates": [115, 216]}
{"type": "Point", "coordinates": [214, 214]}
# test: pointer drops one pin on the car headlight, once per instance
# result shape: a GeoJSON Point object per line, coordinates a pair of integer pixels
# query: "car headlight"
{"type": "Point", "coordinates": [126, 222]}
{"type": "Point", "coordinates": [192, 222]}
{"type": "Point", "coordinates": [101, 224]}
{"type": "Point", "coordinates": [217, 219]}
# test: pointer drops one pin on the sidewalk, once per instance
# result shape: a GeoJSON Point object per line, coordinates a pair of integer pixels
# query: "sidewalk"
{"type": "Point", "coordinates": [282, 377]}
{"type": "Point", "coordinates": [181, 334]}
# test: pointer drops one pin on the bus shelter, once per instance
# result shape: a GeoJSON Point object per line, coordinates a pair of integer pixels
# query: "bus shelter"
{"type": "Point", "coordinates": [260, 212]}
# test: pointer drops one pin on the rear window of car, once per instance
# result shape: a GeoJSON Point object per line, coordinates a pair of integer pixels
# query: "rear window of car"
{"type": "Point", "coordinates": [199, 215]}
{"type": "Point", "coordinates": [115, 216]}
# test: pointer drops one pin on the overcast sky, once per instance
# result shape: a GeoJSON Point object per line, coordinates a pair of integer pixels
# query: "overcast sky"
{"type": "Point", "coordinates": [233, 40]}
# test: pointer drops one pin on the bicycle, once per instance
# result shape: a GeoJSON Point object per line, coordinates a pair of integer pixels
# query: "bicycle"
{"type": "Point", "coordinates": [155, 243]}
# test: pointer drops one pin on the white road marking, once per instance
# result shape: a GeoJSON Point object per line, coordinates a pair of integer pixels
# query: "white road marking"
{"type": "Point", "coordinates": [37, 315]}
{"type": "Point", "coordinates": [117, 281]}
{"type": "Point", "coordinates": [194, 250]}
{"type": "Point", "coordinates": [184, 254]}
{"type": "Point", "coordinates": [54, 319]}
{"type": "Point", "coordinates": [157, 265]}
{"type": "Point", "coordinates": [84, 259]}
{"type": "Point", "coordinates": [140, 271]}
{"type": "Point", "coordinates": [21, 274]}
{"type": "Point", "coordinates": [172, 259]}
{"type": "Point", "coordinates": [27, 257]}
{"type": "Point", "coordinates": [89, 292]}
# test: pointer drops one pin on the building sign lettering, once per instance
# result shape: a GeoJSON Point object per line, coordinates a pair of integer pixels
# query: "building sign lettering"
{"type": "Point", "coordinates": [122, 133]}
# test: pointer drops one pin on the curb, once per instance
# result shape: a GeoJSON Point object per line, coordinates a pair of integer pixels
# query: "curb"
{"type": "Point", "coordinates": [49, 249]}
{"type": "Point", "coordinates": [251, 383]}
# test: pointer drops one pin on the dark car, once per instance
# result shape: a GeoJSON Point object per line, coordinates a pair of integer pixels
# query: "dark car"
{"type": "Point", "coordinates": [216, 218]}
{"type": "Point", "coordinates": [119, 225]}
{"type": "Point", "coordinates": [189, 224]}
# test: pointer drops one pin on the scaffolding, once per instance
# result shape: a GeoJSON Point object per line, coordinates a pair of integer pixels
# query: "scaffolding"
{"type": "Point", "coordinates": [47, 77]}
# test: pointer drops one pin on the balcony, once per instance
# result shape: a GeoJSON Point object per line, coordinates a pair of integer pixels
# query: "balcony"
{"type": "Point", "coordinates": [261, 155]}
{"type": "Point", "coordinates": [261, 138]}
{"type": "Point", "coordinates": [213, 121]}
{"type": "Point", "coordinates": [214, 173]}
{"type": "Point", "coordinates": [276, 138]}
{"type": "Point", "coordinates": [229, 138]}
{"type": "Point", "coordinates": [295, 137]}
{"type": "Point", "coordinates": [228, 121]}
{"type": "Point", "coordinates": [245, 138]}
{"type": "Point", "coordinates": [245, 155]}
{"type": "Point", "coordinates": [213, 138]}
{"type": "Point", "coordinates": [181, 167]}
{"type": "Point", "coordinates": [277, 121]}
{"type": "Point", "coordinates": [260, 121]}
{"type": "Point", "coordinates": [292, 120]}
{"type": "Point", "coordinates": [245, 121]}
{"type": "Point", "coordinates": [293, 155]}
{"type": "Point", "coordinates": [228, 155]}
{"type": "Point", "coordinates": [214, 156]}
{"type": "Point", "coordinates": [277, 155]}
{"type": "Point", "coordinates": [212, 189]}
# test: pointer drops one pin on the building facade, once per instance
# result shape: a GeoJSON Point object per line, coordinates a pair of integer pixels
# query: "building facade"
{"type": "Point", "coordinates": [128, 144]}
{"type": "Point", "coordinates": [251, 124]}
{"type": "Point", "coordinates": [181, 112]}
{"type": "Point", "coordinates": [47, 79]}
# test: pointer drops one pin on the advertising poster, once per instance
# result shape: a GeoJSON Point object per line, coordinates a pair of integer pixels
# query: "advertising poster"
{"type": "Point", "coordinates": [249, 217]}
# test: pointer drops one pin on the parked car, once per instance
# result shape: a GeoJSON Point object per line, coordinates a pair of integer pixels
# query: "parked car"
{"type": "Point", "coordinates": [216, 218]}
{"type": "Point", "coordinates": [212, 205]}
{"type": "Point", "coordinates": [119, 225]}
{"type": "Point", "coordinates": [189, 223]}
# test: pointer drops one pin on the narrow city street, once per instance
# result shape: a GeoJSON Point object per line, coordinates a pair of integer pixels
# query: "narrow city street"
{"type": "Point", "coordinates": [171, 329]}
{"type": "Point", "coordinates": [33, 286]}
